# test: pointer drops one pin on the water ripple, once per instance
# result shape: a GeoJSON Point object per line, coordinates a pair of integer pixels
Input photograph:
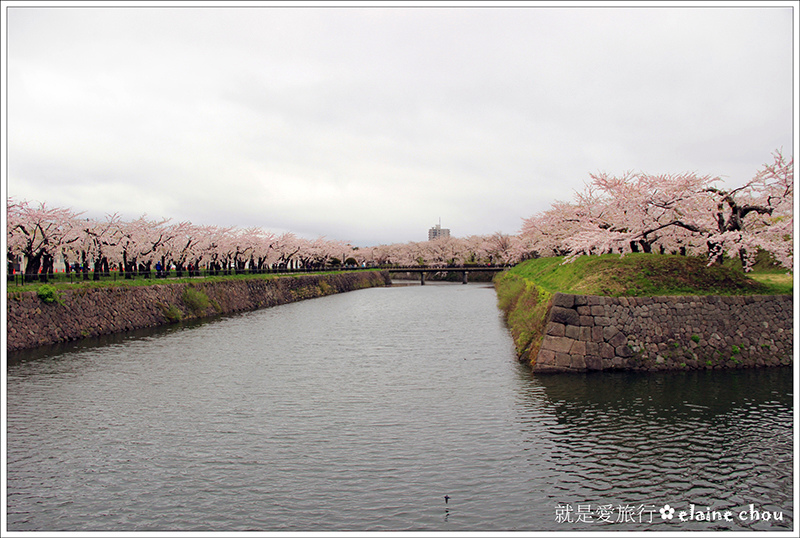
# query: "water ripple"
{"type": "Point", "coordinates": [359, 412]}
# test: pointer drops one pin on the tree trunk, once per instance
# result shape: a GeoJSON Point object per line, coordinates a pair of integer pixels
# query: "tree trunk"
{"type": "Point", "coordinates": [32, 267]}
{"type": "Point", "coordinates": [715, 253]}
{"type": "Point", "coordinates": [84, 265]}
{"type": "Point", "coordinates": [743, 258]}
{"type": "Point", "coordinates": [127, 267]}
{"type": "Point", "coordinates": [47, 267]}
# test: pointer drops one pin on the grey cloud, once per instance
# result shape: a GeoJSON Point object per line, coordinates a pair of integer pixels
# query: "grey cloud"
{"type": "Point", "coordinates": [370, 124]}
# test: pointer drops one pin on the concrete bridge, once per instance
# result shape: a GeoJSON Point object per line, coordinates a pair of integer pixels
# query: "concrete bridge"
{"type": "Point", "coordinates": [463, 269]}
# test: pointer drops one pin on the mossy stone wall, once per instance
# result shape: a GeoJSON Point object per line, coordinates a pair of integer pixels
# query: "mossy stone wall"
{"type": "Point", "coordinates": [585, 332]}
{"type": "Point", "coordinates": [88, 312]}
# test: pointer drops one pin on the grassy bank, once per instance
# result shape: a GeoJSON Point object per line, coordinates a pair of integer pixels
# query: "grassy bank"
{"type": "Point", "coordinates": [524, 305]}
{"type": "Point", "coordinates": [50, 315]}
{"type": "Point", "coordinates": [135, 282]}
{"type": "Point", "coordinates": [524, 292]}
{"type": "Point", "coordinates": [638, 275]}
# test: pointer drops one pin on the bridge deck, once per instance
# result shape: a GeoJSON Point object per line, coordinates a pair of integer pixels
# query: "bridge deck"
{"type": "Point", "coordinates": [451, 269]}
{"type": "Point", "coordinates": [455, 269]}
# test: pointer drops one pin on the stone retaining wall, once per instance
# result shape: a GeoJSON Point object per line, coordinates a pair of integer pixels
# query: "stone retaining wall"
{"type": "Point", "coordinates": [585, 332]}
{"type": "Point", "coordinates": [91, 312]}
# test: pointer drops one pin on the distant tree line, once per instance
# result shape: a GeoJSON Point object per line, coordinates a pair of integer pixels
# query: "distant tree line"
{"type": "Point", "coordinates": [636, 212]}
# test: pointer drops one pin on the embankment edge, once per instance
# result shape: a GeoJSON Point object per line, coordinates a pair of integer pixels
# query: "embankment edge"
{"type": "Point", "coordinates": [89, 312]}
{"type": "Point", "coordinates": [582, 333]}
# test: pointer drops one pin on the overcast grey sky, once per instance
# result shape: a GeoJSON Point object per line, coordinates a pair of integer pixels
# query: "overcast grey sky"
{"type": "Point", "coordinates": [369, 124]}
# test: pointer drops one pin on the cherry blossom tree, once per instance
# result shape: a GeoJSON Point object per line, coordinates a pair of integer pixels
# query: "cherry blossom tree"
{"type": "Point", "coordinates": [140, 244]}
{"type": "Point", "coordinates": [185, 240]}
{"type": "Point", "coordinates": [633, 212]}
{"type": "Point", "coordinates": [38, 233]}
{"type": "Point", "coordinates": [215, 246]}
{"type": "Point", "coordinates": [672, 213]}
{"type": "Point", "coordinates": [264, 243]}
{"type": "Point", "coordinates": [545, 234]}
{"type": "Point", "coordinates": [98, 242]}
{"type": "Point", "coordinates": [499, 248]}
{"type": "Point", "coordinates": [287, 247]}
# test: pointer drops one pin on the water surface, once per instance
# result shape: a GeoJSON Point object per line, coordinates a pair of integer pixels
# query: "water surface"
{"type": "Point", "coordinates": [361, 411]}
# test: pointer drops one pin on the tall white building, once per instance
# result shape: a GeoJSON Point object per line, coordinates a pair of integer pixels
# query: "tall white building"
{"type": "Point", "coordinates": [437, 231]}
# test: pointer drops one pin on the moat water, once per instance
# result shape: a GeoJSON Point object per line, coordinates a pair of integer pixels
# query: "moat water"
{"type": "Point", "coordinates": [362, 411]}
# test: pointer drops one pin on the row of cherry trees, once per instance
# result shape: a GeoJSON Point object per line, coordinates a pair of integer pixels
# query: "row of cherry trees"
{"type": "Point", "coordinates": [46, 236]}
{"type": "Point", "coordinates": [636, 212]}
{"type": "Point", "coordinates": [495, 249]}
{"type": "Point", "coordinates": [672, 213]}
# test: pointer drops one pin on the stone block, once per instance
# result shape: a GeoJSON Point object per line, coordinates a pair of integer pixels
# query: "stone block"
{"type": "Point", "coordinates": [597, 334]}
{"type": "Point", "coordinates": [555, 329]}
{"type": "Point", "coordinates": [606, 350]}
{"type": "Point", "coordinates": [584, 310]}
{"type": "Point", "coordinates": [586, 334]}
{"type": "Point", "coordinates": [548, 369]}
{"type": "Point", "coordinates": [623, 351]}
{"type": "Point", "coordinates": [594, 362]}
{"type": "Point", "coordinates": [586, 321]}
{"type": "Point", "coordinates": [567, 316]}
{"type": "Point", "coordinates": [578, 348]}
{"type": "Point", "coordinates": [563, 360]}
{"type": "Point", "coordinates": [609, 332]}
{"type": "Point", "coordinates": [559, 344]}
{"type": "Point", "coordinates": [602, 321]}
{"type": "Point", "coordinates": [618, 339]}
{"type": "Point", "coordinates": [563, 300]}
{"type": "Point", "coordinates": [546, 357]}
{"type": "Point", "coordinates": [598, 310]}
{"type": "Point", "coordinates": [572, 331]}
{"type": "Point", "coordinates": [578, 363]}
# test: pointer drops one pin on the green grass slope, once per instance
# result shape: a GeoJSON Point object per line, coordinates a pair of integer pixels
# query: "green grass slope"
{"type": "Point", "coordinates": [59, 282]}
{"type": "Point", "coordinates": [648, 275]}
{"type": "Point", "coordinates": [524, 292]}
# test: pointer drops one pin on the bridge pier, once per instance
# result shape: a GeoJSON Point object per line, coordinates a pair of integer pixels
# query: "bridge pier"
{"type": "Point", "coordinates": [463, 277]}
{"type": "Point", "coordinates": [422, 278]}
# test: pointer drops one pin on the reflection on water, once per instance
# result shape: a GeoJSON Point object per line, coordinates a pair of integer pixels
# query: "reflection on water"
{"type": "Point", "coordinates": [718, 440]}
{"type": "Point", "coordinates": [62, 349]}
{"type": "Point", "coordinates": [362, 411]}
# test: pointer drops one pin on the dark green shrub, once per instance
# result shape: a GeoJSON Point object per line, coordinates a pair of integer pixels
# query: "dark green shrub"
{"type": "Point", "coordinates": [171, 312]}
{"type": "Point", "coordinates": [195, 300]}
{"type": "Point", "coordinates": [49, 294]}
